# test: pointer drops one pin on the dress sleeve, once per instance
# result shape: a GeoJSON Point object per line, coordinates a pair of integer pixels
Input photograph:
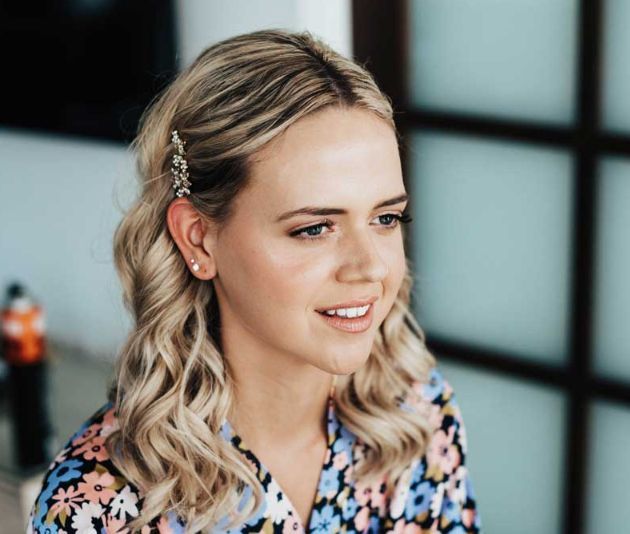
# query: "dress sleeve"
{"type": "Point", "coordinates": [82, 492]}
{"type": "Point", "coordinates": [458, 512]}
{"type": "Point", "coordinates": [435, 495]}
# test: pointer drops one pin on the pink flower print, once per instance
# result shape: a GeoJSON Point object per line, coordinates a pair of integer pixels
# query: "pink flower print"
{"type": "Point", "coordinates": [88, 433]}
{"type": "Point", "coordinates": [362, 519]}
{"type": "Point", "coordinates": [114, 525]}
{"type": "Point", "coordinates": [398, 527]}
{"type": "Point", "coordinates": [163, 527]}
{"type": "Point", "coordinates": [362, 493]}
{"type": "Point", "coordinates": [402, 527]}
{"type": "Point", "coordinates": [378, 495]}
{"type": "Point", "coordinates": [61, 457]}
{"type": "Point", "coordinates": [348, 474]}
{"type": "Point", "coordinates": [340, 460]}
{"type": "Point", "coordinates": [435, 416]}
{"type": "Point", "coordinates": [292, 526]}
{"type": "Point", "coordinates": [468, 517]}
{"type": "Point", "coordinates": [442, 454]}
{"type": "Point", "coordinates": [97, 487]}
{"type": "Point", "coordinates": [110, 423]}
{"type": "Point", "coordinates": [66, 501]}
{"type": "Point", "coordinates": [93, 450]}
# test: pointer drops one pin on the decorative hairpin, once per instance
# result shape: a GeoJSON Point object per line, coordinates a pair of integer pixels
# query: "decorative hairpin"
{"type": "Point", "coordinates": [179, 167]}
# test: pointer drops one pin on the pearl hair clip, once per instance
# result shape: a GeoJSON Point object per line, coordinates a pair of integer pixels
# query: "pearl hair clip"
{"type": "Point", "coordinates": [179, 167]}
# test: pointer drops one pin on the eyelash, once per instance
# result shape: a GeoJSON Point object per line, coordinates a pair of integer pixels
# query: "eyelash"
{"type": "Point", "coordinates": [402, 218]}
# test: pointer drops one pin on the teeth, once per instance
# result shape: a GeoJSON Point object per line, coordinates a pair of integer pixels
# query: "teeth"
{"type": "Point", "coordinates": [349, 312]}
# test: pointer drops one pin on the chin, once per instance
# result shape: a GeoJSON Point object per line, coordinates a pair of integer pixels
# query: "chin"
{"type": "Point", "coordinates": [346, 366]}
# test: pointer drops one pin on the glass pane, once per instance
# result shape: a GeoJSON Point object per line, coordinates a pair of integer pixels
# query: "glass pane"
{"type": "Point", "coordinates": [608, 491]}
{"type": "Point", "coordinates": [491, 243]}
{"type": "Point", "coordinates": [615, 68]}
{"type": "Point", "coordinates": [515, 449]}
{"type": "Point", "coordinates": [512, 59]}
{"type": "Point", "coordinates": [612, 285]}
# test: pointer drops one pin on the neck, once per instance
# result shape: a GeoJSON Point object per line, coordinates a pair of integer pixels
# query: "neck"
{"type": "Point", "coordinates": [271, 408]}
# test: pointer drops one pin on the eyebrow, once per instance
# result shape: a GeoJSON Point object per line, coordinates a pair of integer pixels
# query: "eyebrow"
{"type": "Point", "coordinates": [310, 210]}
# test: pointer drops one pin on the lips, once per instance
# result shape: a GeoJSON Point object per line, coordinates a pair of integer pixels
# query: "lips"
{"type": "Point", "coordinates": [353, 325]}
{"type": "Point", "coordinates": [357, 303]}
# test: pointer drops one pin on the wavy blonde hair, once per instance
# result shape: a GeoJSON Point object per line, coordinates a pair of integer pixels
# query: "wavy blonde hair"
{"type": "Point", "coordinates": [172, 388]}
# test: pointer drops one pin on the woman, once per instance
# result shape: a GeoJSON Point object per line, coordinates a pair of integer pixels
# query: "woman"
{"type": "Point", "coordinates": [263, 260]}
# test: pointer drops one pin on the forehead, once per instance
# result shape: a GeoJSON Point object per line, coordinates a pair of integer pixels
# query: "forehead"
{"type": "Point", "coordinates": [328, 156]}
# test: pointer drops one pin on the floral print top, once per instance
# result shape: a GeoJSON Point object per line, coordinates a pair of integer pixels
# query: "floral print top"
{"type": "Point", "coordinates": [84, 493]}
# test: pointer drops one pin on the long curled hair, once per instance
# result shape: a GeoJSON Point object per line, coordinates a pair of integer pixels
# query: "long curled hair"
{"type": "Point", "coordinates": [172, 387]}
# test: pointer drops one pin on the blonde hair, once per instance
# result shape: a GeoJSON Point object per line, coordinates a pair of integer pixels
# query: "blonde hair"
{"type": "Point", "coordinates": [172, 388]}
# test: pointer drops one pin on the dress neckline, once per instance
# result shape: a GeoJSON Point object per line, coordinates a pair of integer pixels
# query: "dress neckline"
{"type": "Point", "coordinates": [227, 431]}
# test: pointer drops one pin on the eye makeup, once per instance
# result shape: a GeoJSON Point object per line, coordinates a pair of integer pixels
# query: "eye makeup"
{"type": "Point", "coordinates": [327, 223]}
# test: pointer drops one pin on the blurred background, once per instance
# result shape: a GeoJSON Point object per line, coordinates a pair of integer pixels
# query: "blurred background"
{"type": "Point", "coordinates": [516, 122]}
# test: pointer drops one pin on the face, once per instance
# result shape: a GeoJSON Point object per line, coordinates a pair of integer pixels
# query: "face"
{"type": "Point", "coordinates": [274, 270]}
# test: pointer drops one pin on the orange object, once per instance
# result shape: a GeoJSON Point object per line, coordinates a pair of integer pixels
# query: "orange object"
{"type": "Point", "coordinates": [23, 334]}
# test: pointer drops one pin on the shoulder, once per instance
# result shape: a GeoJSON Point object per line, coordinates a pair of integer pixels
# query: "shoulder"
{"type": "Point", "coordinates": [435, 399]}
{"type": "Point", "coordinates": [437, 487]}
{"type": "Point", "coordinates": [82, 490]}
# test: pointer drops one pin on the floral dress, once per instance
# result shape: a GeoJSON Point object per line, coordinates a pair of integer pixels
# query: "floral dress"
{"type": "Point", "coordinates": [84, 493]}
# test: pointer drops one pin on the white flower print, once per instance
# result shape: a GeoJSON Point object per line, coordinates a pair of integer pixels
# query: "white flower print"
{"type": "Point", "coordinates": [277, 504]}
{"type": "Point", "coordinates": [63, 455]}
{"type": "Point", "coordinates": [461, 433]}
{"type": "Point", "coordinates": [457, 488]}
{"type": "Point", "coordinates": [401, 491]}
{"type": "Point", "coordinates": [82, 520]}
{"type": "Point", "coordinates": [125, 502]}
{"type": "Point", "coordinates": [436, 499]}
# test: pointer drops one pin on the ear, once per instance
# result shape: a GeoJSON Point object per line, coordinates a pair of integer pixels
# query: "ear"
{"type": "Point", "coordinates": [194, 238]}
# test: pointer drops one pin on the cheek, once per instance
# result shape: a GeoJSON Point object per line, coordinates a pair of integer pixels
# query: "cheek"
{"type": "Point", "coordinates": [268, 277]}
{"type": "Point", "coordinates": [397, 267]}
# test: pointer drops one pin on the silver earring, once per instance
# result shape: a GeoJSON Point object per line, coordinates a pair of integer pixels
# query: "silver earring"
{"type": "Point", "coordinates": [195, 266]}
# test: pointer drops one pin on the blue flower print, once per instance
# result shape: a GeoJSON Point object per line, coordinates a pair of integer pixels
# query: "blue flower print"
{"type": "Point", "coordinates": [434, 385]}
{"type": "Point", "coordinates": [339, 505]}
{"type": "Point", "coordinates": [418, 500]}
{"type": "Point", "coordinates": [330, 481]}
{"type": "Point", "coordinates": [350, 508]}
{"type": "Point", "coordinates": [64, 472]}
{"type": "Point", "coordinates": [418, 473]}
{"type": "Point", "coordinates": [450, 510]}
{"type": "Point", "coordinates": [345, 441]}
{"type": "Point", "coordinates": [325, 520]}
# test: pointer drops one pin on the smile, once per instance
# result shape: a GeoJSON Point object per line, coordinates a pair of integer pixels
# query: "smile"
{"type": "Point", "coordinates": [349, 319]}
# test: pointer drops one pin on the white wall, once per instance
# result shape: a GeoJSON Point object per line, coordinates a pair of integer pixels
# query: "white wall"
{"type": "Point", "coordinates": [57, 216]}
{"type": "Point", "coordinates": [58, 195]}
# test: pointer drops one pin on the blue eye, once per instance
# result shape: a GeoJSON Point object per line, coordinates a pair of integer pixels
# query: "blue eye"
{"type": "Point", "coordinates": [314, 231]}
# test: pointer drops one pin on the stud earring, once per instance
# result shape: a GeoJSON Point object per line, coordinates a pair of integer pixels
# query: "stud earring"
{"type": "Point", "coordinates": [195, 266]}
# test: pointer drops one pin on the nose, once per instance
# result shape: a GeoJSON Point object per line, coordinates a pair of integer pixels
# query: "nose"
{"type": "Point", "coordinates": [361, 259]}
